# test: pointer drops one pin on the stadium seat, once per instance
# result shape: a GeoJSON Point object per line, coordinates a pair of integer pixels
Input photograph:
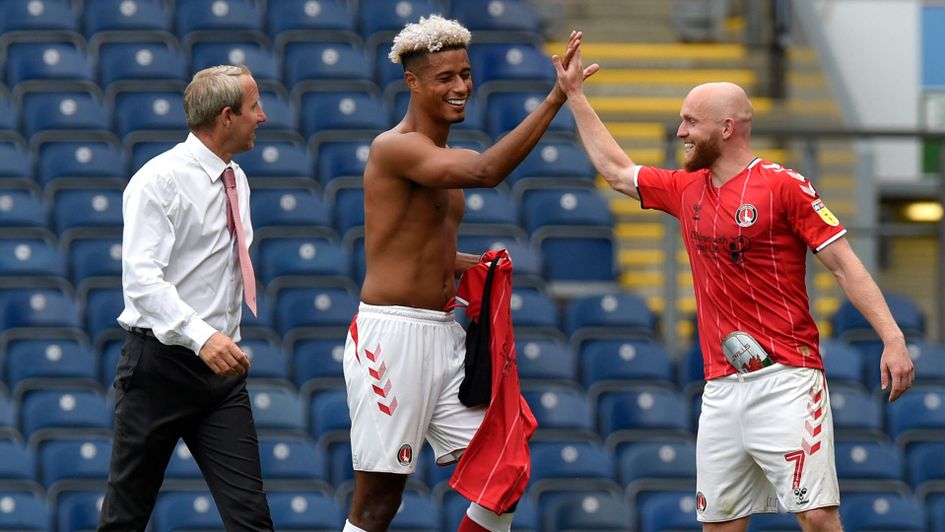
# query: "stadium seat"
{"type": "Point", "coordinates": [79, 510]}
{"type": "Point", "coordinates": [63, 411]}
{"type": "Point", "coordinates": [258, 58]}
{"type": "Point", "coordinates": [563, 413]}
{"type": "Point", "coordinates": [14, 163]}
{"type": "Point", "coordinates": [545, 359]}
{"type": "Point", "coordinates": [623, 362]}
{"type": "Point", "coordinates": [52, 61]}
{"type": "Point", "coordinates": [348, 210]}
{"type": "Point", "coordinates": [77, 209]}
{"type": "Point", "coordinates": [375, 16]}
{"type": "Point", "coordinates": [141, 152]}
{"type": "Point", "coordinates": [277, 410]}
{"type": "Point", "coordinates": [111, 18]}
{"type": "Point", "coordinates": [32, 363]}
{"type": "Point", "coordinates": [506, 16]}
{"type": "Point", "coordinates": [454, 506]}
{"type": "Point", "coordinates": [327, 310]}
{"type": "Point", "coordinates": [572, 206]}
{"type": "Point", "coordinates": [843, 363]}
{"type": "Point", "coordinates": [139, 62]}
{"type": "Point", "coordinates": [102, 308]}
{"type": "Point", "coordinates": [773, 522]}
{"type": "Point", "coordinates": [317, 363]}
{"type": "Point", "coordinates": [507, 109]}
{"type": "Point", "coordinates": [304, 262]}
{"type": "Point", "coordinates": [269, 362]}
{"type": "Point", "coordinates": [146, 111]}
{"type": "Point", "coordinates": [37, 309]}
{"type": "Point", "coordinates": [289, 211]}
{"type": "Point", "coordinates": [17, 466]}
{"type": "Point", "coordinates": [533, 310]}
{"type": "Point", "coordinates": [47, 18]}
{"type": "Point", "coordinates": [899, 514]}
{"type": "Point", "coordinates": [278, 162]}
{"type": "Point", "coordinates": [588, 512]}
{"type": "Point", "coordinates": [670, 510]}
{"type": "Point", "coordinates": [289, 17]}
{"type": "Point", "coordinates": [94, 259]}
{"type": "Point", "coordinates": [649, 467]}
{"type": "Point", "coordinates": [324, 112]}
{"type": "Point", "coordinates": [30, 257]}
{"type": "Point", "coordinates": [64, 112]}
{"type": "Point", "coordinates": [928, 359]}
{"type": "Point", "coordinates": [342, 160]}
{"type": "Point", "coordinates": [319, 61]}
{"type": "Point", "coordinates": [74, 463]}
{"type": "Point", "coordinates": [642, 414]}
{"type": "Point", "coordinates": [182, 510]}
{"type": "Point", "coordinates": [340, 468]}
{"type": "Point", "coordinates": [289, 463]}
{"type": "Point", "coordinates": [566, 162]}
{"type": "Point", "coordinates": [489, 206]}
{"type": "Point", "coordinates": [617, 315]}
{"type": "Point", "coordinates": [936, 511]}
{"type": "Point", "coordinates": [304, 511]}
{"type": "Point", "coordinates": [329, 420]}
{"type": "Point", "coordinates": [917, 415]}
{"type": "Point", "coordinates": [282, 120]}
{"type": "Point", "coordinates": [925, 469]}
{"type": "Point", "coordinates": [199, 20]}
{"type": "Point", "coordinates": [869, 466]}
{"type": "Point", "coordinates": [563, 467]}
{"type": "Point", "coordinates": [510, 62]}
{"type": "Point", "coordinates": [82, 164]}
{"type": "Point", "coordinates": [857, 415]}
{"type": "Point", "coordinates": [578, 260]}
{"type": "Point", "coordinates": [9, 429]}
{"type": "Point", "coordinates": [24, 512]}
{"type": "Point", "coordinates": [417, 513]}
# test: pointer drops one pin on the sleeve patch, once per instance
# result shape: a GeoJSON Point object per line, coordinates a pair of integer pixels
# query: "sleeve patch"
{"type": "Point", "coordinates": [821, 209]}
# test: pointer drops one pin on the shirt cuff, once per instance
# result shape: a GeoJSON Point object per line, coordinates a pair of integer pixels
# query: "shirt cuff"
{"type": "Point", "coordinates": [197, 332]}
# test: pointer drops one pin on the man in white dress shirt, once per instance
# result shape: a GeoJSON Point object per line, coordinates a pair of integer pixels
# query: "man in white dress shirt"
{"type": "Point", "coordinates": [181, 374]}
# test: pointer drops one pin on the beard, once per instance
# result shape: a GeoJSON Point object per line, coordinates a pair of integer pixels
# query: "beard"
{"type": "Point", "coordinates": [704, 154]}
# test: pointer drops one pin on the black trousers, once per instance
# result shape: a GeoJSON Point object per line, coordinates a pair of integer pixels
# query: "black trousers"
{"type": "Point", "coordinates": [164, 393]}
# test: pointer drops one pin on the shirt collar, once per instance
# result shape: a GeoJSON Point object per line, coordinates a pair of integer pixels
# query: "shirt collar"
{"type": "Point", "coordinates": [209, 161]}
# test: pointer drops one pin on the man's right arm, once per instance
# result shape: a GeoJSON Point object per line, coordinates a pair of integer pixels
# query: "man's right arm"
{"type": "Point", "coordinates": [608, 158]}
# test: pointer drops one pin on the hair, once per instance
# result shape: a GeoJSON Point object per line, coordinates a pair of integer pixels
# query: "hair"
{"type": "Point", "coordinates": [210, 91]}
{"type": "Point", "coordinates": [431, 34]}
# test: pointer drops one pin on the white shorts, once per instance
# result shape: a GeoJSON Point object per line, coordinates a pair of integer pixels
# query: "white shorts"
{"type": "Point", "coordinates": [765, 437]}
{"type": "Point", "coordinates": [403, 367]}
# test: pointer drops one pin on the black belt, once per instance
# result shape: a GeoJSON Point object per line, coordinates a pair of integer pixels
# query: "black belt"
{"type": "Point", "coordinates": [142, 332]}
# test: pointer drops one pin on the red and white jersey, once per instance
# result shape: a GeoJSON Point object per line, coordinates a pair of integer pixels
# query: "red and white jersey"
{"type": "Point", "coordinates": [747, 242]}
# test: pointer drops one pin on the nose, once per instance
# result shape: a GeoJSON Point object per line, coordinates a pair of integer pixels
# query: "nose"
{"type": "Point", "coordinates": [682, 131]}
{"type": "Point", "coordinates": [261, 116]}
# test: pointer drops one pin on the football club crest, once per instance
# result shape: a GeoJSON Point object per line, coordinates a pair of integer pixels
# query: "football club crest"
{"type": "Point", "coordinates": [825, 213]}
{"type": "Point", "coordinates": [405, 455]}
{"type": "Point", "coordinates": [746, 215]}
{"type": "Point", "coordinates": [700, 502]}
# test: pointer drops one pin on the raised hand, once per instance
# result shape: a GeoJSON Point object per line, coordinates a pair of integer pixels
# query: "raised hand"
{"type": "Point", "coordinates": [570, 71]}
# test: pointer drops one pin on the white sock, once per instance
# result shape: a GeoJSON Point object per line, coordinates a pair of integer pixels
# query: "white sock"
{"type": "Point", "coordinates": [486, 518]}
{"type": "Point", "coordinates": [351, 528]}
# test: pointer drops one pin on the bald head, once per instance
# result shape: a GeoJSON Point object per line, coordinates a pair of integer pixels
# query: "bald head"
{"type": "Point", "coordinates": [721, 100]}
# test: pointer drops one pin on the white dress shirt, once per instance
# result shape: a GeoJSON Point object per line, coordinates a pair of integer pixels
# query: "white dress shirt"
{"type": "Point", "coordinates": [180, 269]}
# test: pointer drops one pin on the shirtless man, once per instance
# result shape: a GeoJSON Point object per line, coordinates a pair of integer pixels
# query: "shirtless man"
{"type": "Point", "coordinates": [404, 356]}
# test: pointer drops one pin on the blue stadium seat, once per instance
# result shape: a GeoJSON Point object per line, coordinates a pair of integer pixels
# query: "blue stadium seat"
{"type": "Point", "coordinates": [670, 510]}
{"type": "Point", "coordinates": [286, 211]}
{"type": "Point", "coordinates": [8, 425]}
{"type": "Point", "coordinates": [928, 359]}
{"type": "Point", "coordinates": [182, 510]}
{"type": "Point", "coordinates": [37, 18]}
{"type": "Point", "coordinates": [588, 512]}
{"type": "Point", "coordinates": [317, 309]}
{"type": "Point", "coordinates": [143, 151]}
{"type": "Point", "coordinates": [288, 17]}
{"type": "Point", "coordinates": [376, 16]}
{"type": "Point", "coordinates": [258, 58]}
{"type": "Point", "coordinates": [328, 416]}
{"type": "Point", "coordinates": [318, 61]}
{"type": "Point", "coordinates": [74, 463]}
{"type": "Point", "coordinates": [81, 161]}
{"type": "Point", "coordinates": [569, 206]}
{"type": "Point", "coordinates": [936, 511]}
{"type": "Point", "coordinates": [37, 308]}
{"type": "Point", "coordinates": [899, 514]}
{"type": "Point", "coordinates": [317, 363]}
{"type": "Point", "coordinates": [142, 111]}
{"type": "Point", "coordinates": [291, 462]}
{"type": "Point", "coordinates": [578, 256]}
{"type": "Point", "coordinates": [70, 112]}
{"type": "Point", "coordinates": [197, 20]}
{"type": "Point", "coordinates": [857, 415]}
{"type": "Point", "coordinates": [924, 466]}
{"type": "Point", "coordinates": [842, 363]}
{"type": "Point", "coordinates": [490, 206]}
{"type": "Point", "coordinates": [562, 467]}
{"type": "Point", "coordinates": [24, 512]}
{"type": "Point", "coordinates": [916, 416]}
{"type": "Point", "coordinates": [309, 261]}
{"type": "Point", "coordinates": [277, 159]}
{"type": "Point", "coordinates": [140, 61]}
{"type": "Point", "coordinates": [76, 411]}
{"type": "Point", "coordinates": [510, 62]}
{"type": "Point", "coordinates": [390, 77]}
{"type": "Point", "coordinates": [480, 243]}
{"type": "Point", "coordinates": [44, 362]}
{"type": "Point", "coordinates": [340, 468]}
{"type": "Point", "coordinates": [102, 307]}
{"type": "Point", "coordinates": [417, 513]}
{"type": "Point", "coordinates": [545, 359]}
{"type": "Point", "coordinates": [276, 409]}
{"type": "Point", "coordinates": [454, 505]}
{"type": "Point", "coordinates": [30, 257]}
{"type": "Point", "coordinates": [269, 362]}
{"type": "Point", "coordinates": [533, 310]}
{"type": "Point", "coordinates": [79, 510]}
{"type": "Point", "coordinates": [94, 259]}
{"type": "Point", "coordinates": [620, 315]}
{"type": "Point", "coordinates": [641, 414]}
{"type": "Point", "coordinates": [17, 465]}
{"type": "Point", "coordinates": [14, 162]}
{"type": "Point", "coordinates": [774, 522]}
{"type": "Point", "coordinates": [564, 161]}
{"type": "Point", "coordinates": [327, 111]}
{"type": "Point", "coordinates": [342, 159]}
{"type": "Point", "coordinates": [47, 62]}
{"type": "Point", "coordinates": [348, 210]}
{"type": "Point", "coordinates": [507, 109]}
{"type": "Point", "coordinates": [496, 15]}
{"type": "Point", "coordinates": [869, 466]}
{"type": "Point", "coordinates": [648, 467]}
{"type": "Point", "coordinates": [304, 511]}
{"type": "Point", "coordinates": [131, 17]}
{"type": "Point", "coordinates": [282, 119]}
{"type": "Point", "coordinates": [624, 362]}
{"type": "Point", "coordinates": [111, 352]}
{"type": "Point", "coordinates": [562, 413]}
{"type": "Point", "coordinates": [87, 208]}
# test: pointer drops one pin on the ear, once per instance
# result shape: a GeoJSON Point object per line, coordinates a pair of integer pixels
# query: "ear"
{"type": "Point", "coordinates": [412, 80]}
{"type": "Point", "coordinates": [226, 116]}
{"type": "Point", "coordinates": [728, 128]}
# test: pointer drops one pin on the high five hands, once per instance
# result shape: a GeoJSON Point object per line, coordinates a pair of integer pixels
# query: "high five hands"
{"type": "Point", "coordinates": [571, 73]}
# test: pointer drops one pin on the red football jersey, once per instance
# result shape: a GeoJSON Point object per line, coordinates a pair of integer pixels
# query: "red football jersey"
{"type": "Point", "coordinates": [747, 242]}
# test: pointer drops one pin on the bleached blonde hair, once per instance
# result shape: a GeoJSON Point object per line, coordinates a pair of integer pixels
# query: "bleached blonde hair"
{"type": "Point", "coordinates": [431, 34]}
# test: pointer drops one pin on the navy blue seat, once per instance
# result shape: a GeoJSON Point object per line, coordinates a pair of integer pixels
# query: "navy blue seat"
{"type": "Point", "coordinates": [37, 308]}
{"type": "Point", "coordinates": [140, 61]}
{"type": "Point", "coordinates": [37, 18]}
{"type": "Point", "coordinates": [899, 514]}
{"type": "Point", "coordinates": [317, 362]}
{"type": "Point", "coordinates": [304, 511]}
{"type": "Point", "coordinates": [184, 510]}
{"type": "Point", "coordinates": [323, 61]}
{"type": "Point", "coordinates": [290, 462]}
{"type": "Point", "coordinates": [276, 409]}
{"type": "Point", "coordinates": [925, 469]}
{"type": "Point", "coordinates": [348, 210]}
{"type": "Point", "coordinates": [928, 359]}
{"type": "Point", "coordinates": [74, 463]}
{"type": "Point", "coordinates": [286, 17]}
{"type": "Point", "coordinates": [277, 159]}
{"type": "Point", "coordinates": [308, 261]}
{"type": "Point", "coordinates": [14, 162]}
{"type": "Point", "coordinates": [489, 206]}
{"type": "Point", "coordinates": [327, 111]}
{"type": "Point", "coordinates": [622, 362]}
{"type": "Point", "coordinates": [416, 513]}
{"type": "Point", "coordinates": [507, 109]}
{"type": "Point", "coordinates": [47, 62]}
{"type": "Point", "coordinates": [63, 111]}
{"type": "Point", "coordinates": [143, 151]}
{"type": "Point", "coordinates": [588, 512]}
{"type": "Point", "coordinates": [232, 19]}
{"type": "Point", "coordinates": [281, 116]}
{"type": "Point", "coordinates": [510, 62]}
{"type": "Point", "coordinates": [773, 522]}
{"type": "Point", "coordinates": [856, 413]}
{"type": "Point", "coordinates": [869, 465]}
{"type": "Point", "coordinates": [570, 206]}
{"type": "Point", "coordinates": [670, 510]}
{"type": "Point", "coordinates": [102, 308]}
{"type": "Point", "coordinates": [94, 258]}
{"type": "Point", "coordinates": [289, 209]}
{"type": "Point", "coordinates": [329, 420]}
{"type": "Point", "coordinates": [30, 257]}
{"type": "Point", "coordinates": [137, 17]}
{"type": "Point", "coordinates": [79, 510]}
{"type": "Point", "coordinates": [257, 57]}
{"type": "Point", "coordinates": [497, 16]}
{"type": "Point", "coordinates": [269, 362]}
{"type": "Point", "coordinates": [568, 467]}
{"type": "Point", "coordinates": [44, 362]}
{"type": "Point", "coordinates": [316, 308]}
{"type": "Point", "coordinates": [843, 363]}
{"type": "Point", "coordinates": [17, 465]}
{"type": "Point", "coordinates": [640, 414]}
{"type": "Point", "coordinates": [454, 505]}
{"type": "Point", "coordinates": [532, 309]}
{"type": "Point", "coordinates": [75, 411]}
{"type": "Point", "coordinates": [8, 426]}
{"type": "Point", "coordinates": [936, 510]}
{"type": "Point", "coordinates": [375, 16]}
{"type": "Point", "coordinates": [87, 208]}
{"type": "Point", "coordinates": [559, 160]}
{"type": "Point", "coordinates": [620, 315]}
{"type": "Point", "coordinates": [917, 416]}
{"type": "Point", "coordinates": [545, 359]}
{"type": "Point", "coordinates": [27, 512]}
{"type": "Point", "coordinates": [648, 467]}
{"type": "Point", "coordinates": [342, 159]}
{"type": "Point", "coordinates": [149, 111]}
{"type": "Point", "coordinates": [81, 161]}
{"type": "Point", "coordinates": [562, 412]}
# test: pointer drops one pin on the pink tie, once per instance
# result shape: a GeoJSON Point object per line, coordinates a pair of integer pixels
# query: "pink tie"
{"type": "Point", "coordinates": [233, 223]}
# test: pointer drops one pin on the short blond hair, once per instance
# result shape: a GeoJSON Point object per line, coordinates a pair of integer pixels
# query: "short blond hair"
{"type": "Point", "coordinates": [210, 91]}
{"type": "Point", "coordinates": [431, 34]}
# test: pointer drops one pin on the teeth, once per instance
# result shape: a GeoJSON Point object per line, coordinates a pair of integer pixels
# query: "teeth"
{"type": "Point", "coordinates": [456, 102]}
{"type": "Point", "coordinates": [688, 145]}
